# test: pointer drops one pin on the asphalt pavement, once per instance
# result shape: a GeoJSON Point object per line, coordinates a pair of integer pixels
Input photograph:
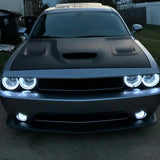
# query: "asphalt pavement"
{"type": "Point", "coordinates": [141, 144]}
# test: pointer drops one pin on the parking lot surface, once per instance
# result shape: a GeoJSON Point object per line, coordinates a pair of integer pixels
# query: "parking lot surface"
{"type": "Point", "coordinates": [141, 144]}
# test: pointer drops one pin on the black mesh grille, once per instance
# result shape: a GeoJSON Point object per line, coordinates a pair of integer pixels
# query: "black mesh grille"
{"type": "Point", "coordinates": [97, 84]}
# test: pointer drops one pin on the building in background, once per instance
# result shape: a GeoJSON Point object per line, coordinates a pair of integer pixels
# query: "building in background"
{"type": "Point", "coordinates": [12, 5]}
{"type": "Point", "coordinates": [32, 7]}
{"type": "Point", "coordinates": [35, 7]}
{"type": "Point", "coordinates": [149, 11]}
{"type": "Point", "coordinates": [25, 7]}
{"type": "Point", "coordinates": [51, 3]}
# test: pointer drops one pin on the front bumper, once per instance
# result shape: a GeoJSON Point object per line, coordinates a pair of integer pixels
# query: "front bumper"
{"type": "Point", "coordinates": [130, 102]}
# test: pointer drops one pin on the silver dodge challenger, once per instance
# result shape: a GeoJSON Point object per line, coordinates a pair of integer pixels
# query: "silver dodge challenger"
{"type": "Point", "coordinates": [80, 71]}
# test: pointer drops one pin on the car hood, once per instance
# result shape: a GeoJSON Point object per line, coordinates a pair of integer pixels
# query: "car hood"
{"type": "Point", "coordinates": [71, 53]}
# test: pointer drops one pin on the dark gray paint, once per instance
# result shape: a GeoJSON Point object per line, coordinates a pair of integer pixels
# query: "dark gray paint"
{"type": "Point", "coordinates": [130, 101]}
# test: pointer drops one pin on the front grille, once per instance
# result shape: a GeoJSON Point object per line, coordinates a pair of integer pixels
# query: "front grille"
{"type": "Point", "coordinates": [81, 118]}
{"type": "Point", "coordinates": [94, 84]}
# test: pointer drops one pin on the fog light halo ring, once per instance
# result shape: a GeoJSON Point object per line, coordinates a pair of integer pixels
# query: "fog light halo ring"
{"type": "Point", "coordinates": [21, 117]}
{"type": "Point", "coordinates": [140, 115]}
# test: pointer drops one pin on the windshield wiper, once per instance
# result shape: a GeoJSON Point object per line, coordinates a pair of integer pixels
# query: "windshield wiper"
{"type": "Point", "coordinates": [41, 37]}
{"type": "Point", "coordinates": [90, 36]}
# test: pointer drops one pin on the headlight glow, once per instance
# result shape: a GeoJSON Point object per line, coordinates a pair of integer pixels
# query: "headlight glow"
{"type": "Point", "coordinates": [150, 80]}
{"type": "Point", "coordinates": [133, 81]}
{"type": "Point", "coordinates": [28, 83]}
{"type": "Point", "coordinates": [10, 83]}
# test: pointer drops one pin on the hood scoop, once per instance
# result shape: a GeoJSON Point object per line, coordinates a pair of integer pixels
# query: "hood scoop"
{"type": "Point", "coordinates": [120, 51]}
{"type": "Point", "coordinates": [79, 55]}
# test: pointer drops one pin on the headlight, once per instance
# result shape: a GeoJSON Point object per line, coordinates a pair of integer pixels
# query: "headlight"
{"type": "Point", "coordinates": [28, 83]}
{"type": "Point", "coordinates": [150, 80]}
{"type": "Point", "coordinates": [10, 83]}
{"type": "Point", "coordinates": [133, 81]}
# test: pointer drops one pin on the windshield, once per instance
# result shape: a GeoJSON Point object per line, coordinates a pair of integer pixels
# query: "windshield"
{"type": "Point", "coordinates": [79, 24]}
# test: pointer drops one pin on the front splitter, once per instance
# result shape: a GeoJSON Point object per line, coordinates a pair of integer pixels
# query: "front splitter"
{"type": "Point", "coordinates": [84, 128]}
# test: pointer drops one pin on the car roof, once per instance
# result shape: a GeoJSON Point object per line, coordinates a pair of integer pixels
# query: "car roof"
{"type": "Point", "coordinates": [79, 7]}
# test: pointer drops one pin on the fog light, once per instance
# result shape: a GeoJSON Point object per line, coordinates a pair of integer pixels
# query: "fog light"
{"type": "Point", "coordinates": [21, 117]}
{"type": "Point", "coordinates": [140, 115]}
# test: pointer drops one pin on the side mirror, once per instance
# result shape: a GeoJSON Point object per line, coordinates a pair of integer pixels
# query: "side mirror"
{"type": "Point", "coordinates": [136, 28]}
{"type": "Point", "coordinates": [22, 31]}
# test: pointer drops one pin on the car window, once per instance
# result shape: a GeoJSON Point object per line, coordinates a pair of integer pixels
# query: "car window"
{"type": "Point", "coordinates": [79, 24]}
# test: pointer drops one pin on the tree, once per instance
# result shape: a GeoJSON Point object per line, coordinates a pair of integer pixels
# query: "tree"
{"type": "Point", "coordinates": [107, 2]}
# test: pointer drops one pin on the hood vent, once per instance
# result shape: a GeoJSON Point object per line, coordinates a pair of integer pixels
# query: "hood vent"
{"type": "Point", "coordinates": [124, 51]}
{"type": "Point", "coordinates": [79, 55]}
